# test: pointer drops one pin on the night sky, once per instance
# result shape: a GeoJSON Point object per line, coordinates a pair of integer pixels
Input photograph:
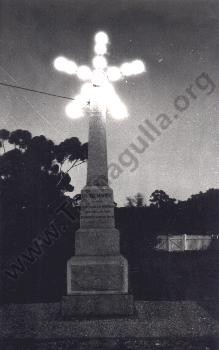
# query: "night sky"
{"type": "Point", "coordinates": [178, 40]}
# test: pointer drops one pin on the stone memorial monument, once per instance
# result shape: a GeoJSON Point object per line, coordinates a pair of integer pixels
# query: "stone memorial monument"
{"type": "Point", "coordinates": [97, 275]}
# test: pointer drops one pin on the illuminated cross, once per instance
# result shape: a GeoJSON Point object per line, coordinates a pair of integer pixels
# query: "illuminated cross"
{"type": "Point", "coordinates": [100, 76]}
{"type": "Point", "coordinates": [98, 274]}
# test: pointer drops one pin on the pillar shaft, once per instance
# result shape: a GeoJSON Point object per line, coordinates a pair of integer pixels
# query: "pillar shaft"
{"type": "Point", "coordinates": [97, 172]}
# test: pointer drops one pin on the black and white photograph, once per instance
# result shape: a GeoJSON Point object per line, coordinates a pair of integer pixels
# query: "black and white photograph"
{"type": "Point", "coordinates": [109, 175]}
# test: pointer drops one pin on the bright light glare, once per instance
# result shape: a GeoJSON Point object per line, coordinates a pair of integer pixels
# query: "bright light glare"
{"type": "Point", "coordinates": [105, 94]}
{"type": "Point", "coordinates": [101, 37]}
{"type": "Point", "coordinates": [114, 73]}
{"type": "Point", "coordinates": [138, 67]}
{"type": "Point", "coordinates": [74, 109]}
{"type": "Point", "coordinates": [98, 87]}
{"type": "Point", "coordinates": [132, 68]}
{"type": "Point", "coordinates": [118, 110]}
{"type": "Point", "coordinates": [116, 107]}
{"type": "Point", "coordinates": [126, 69]}
{"type": "Point", "coordinates": [98, 77]}
{"type": "Point", "coordinates": [84, 73]}
{"type": "Point", "coordinates": [71, 67]}
{"type": "Point", "coordinates": [62, 64]}
{"type": "Point", "coordinates": [86, 91]}
{"type": "Point", "coordinates": [99, 62]}
{"type": "Point", "coordinates": [100, 48]}
{"type": "Point", "coordinates": [59, 63]}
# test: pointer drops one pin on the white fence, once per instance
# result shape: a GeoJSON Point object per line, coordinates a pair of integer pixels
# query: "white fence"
{"type": "Point", "coordinates": [184, 242]}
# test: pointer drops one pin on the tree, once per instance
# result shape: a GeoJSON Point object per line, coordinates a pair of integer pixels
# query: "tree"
{"type": "Point", "coordinates": [32, 187]}
{"type": "Point", "coordinates": [30, 183]}
{"type": "Point", "coordinates": [20, 138]}
{"type": "Point", "coordinates": [71, 150]}
{"type": "Point", "coordinates": [202, 212]}
{"type": "Point", "coordinates": [160, 199]}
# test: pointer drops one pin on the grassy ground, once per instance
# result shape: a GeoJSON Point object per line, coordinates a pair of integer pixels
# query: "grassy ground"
{"type": "Point", "coordinates": [177, 276]}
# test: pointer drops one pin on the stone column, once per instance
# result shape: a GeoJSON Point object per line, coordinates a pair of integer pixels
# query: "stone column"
{"type": "Point", "coordinates": [97, 152]}
{"type": "Point", "coordinates": [97, 276]}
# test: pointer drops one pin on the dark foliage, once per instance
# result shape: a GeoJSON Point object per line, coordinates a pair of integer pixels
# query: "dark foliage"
{"type": "Point", "coordinates": [32, 187]}
{"type": "Point", "coordinates": [165, 215]}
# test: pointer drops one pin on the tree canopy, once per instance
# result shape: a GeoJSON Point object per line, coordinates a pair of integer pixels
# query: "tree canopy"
{"type": "Point", "coordinates": [32, 180]}
{"type": "Point", "coordinates": [166, 215]}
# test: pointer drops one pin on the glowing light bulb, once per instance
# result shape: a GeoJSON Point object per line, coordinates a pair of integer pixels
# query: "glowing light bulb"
{"type": "Point", "coordinates": [70, 67]}
{"type": "Point", "coordinates": [59, 63]}
{"type": "Point", "coordinates": [101, 37]}
{"type": "Point", "coordinates": [132, 68]}
{"type": "Point", "coordinates": [64, 65]}
{"type": "Point", "coordinates": [100, 48]}
{"type": "Point", "coordinates": [113, 73]}
{"type": "Point", "coordinates": [84, 73]}
{"type": "Point", "coordinates": [138, 67]}
{"type": "Point", "coordinates": [126, 69]}
{"type": "Point", "coordinates": [99, 62]}
{"type": "Point", "coordinates": [74, 109]}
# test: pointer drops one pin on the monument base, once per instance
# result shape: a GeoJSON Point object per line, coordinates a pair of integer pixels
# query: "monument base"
{"type": "Point", "coordinates": [97, 305]}
{"type": "Point", "coordinates": [97, 275]}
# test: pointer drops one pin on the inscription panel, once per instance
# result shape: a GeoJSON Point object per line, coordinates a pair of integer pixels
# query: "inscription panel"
{"type": "Point", "coordinates": [97, 208]}
{"type": "Point", "coordinates": [96, 277]}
